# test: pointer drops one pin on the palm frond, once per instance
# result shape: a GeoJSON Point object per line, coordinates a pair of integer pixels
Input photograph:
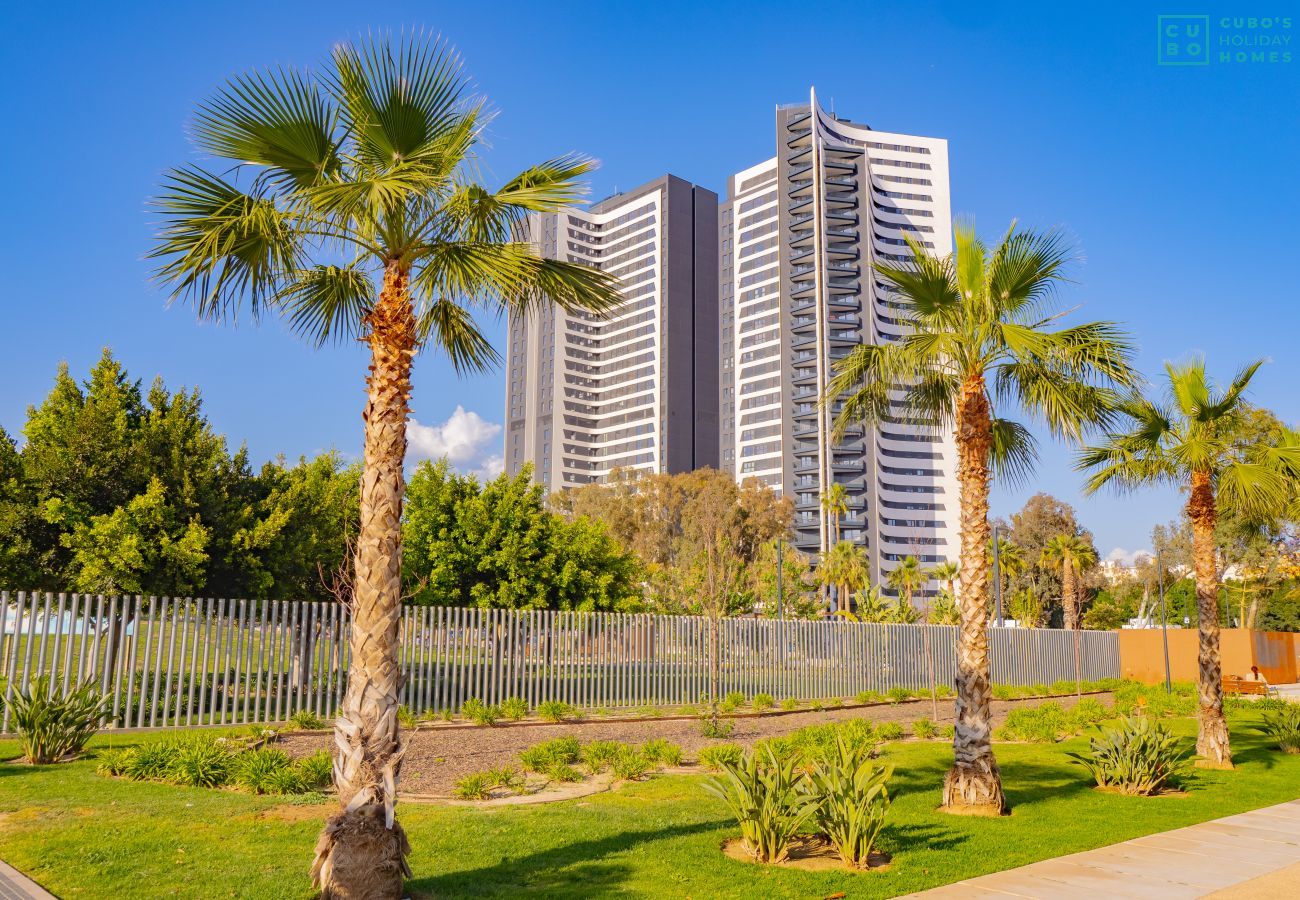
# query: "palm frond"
{"type": "Point", "coordinates": [1025, 269]}
{"type": "Point", "coordinates": [448, 326]}
{"type": "Point", "coordinates": [1013, 453]}
{"type": "Point", "coordinates": [1236, 390]}
{"type": "Point", "coordinates": [1255, 490]}
{"type": "Point", "coordinates": [327, 303]}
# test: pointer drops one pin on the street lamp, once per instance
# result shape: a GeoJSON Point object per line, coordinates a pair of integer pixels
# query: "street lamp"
{"type": "Point", "coordinates": [1164, 619]}
{"type": "Point", "coordinates": [997, 582]}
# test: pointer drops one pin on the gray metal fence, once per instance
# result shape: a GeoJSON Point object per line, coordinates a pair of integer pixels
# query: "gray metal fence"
{"type": "Point", "coordinates": [185, 661]}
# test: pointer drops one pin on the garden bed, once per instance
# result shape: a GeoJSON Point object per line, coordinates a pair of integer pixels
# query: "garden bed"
{"type": "Point", "coordinates": [438, 756]}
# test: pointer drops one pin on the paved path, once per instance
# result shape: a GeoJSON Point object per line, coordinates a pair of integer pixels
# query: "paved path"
{"type": "Point", "coordinates": [14, 885]}
{"type": "Point", "coordinates": [1253, 855]}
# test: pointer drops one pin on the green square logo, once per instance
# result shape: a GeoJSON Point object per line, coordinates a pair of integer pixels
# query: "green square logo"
{"type": "Point", "coordinates": [1183, 40]}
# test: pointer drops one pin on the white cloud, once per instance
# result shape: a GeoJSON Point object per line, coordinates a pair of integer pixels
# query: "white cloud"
{"type": "Point", "coordinates": [466, 439]}
{"type": "Point", "coordinates": [1128, 557]}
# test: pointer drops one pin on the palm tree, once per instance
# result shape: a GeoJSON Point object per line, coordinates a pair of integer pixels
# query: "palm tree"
{"type": "Point", "coordinates": [835, 502]}
{"type": "Point", "coordinates": [979, 332]}
{"type": "Point", "coordinates": [847, 567]}
{"type": "Point", "coordinates": [1069, 554]}
{"type": "Point", "coordinates": [947, 572]}
{"type": "Point", "coordinates": [1186, 440]}
{"type": "Point", "coordinates": [906, 578]}
{"type": "Point", "coordinates": [344, 200]}
{"type": "Point", "coordinates": [872, 606]}
{"type": "Point", "coordinates": [1011, 562]}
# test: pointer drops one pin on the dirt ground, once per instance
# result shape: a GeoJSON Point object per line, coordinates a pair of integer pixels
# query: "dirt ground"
{"type": "Point", "coordinates": [439, 755]}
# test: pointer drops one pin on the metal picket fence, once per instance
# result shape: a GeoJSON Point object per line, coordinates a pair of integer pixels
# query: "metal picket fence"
{"type": "Point", "coordinates": [167, 662]}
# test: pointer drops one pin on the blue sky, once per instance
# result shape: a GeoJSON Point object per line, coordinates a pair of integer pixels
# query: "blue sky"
{"type": "Point", "coordinates": [1179, 182]}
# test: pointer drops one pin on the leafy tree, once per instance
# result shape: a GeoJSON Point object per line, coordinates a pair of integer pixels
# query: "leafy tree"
{"type": "Point", "coordinates": [1041, 519]}
{"type": "Point", "coordinates": [344, 199]}
{"type": "Point", "coordinates": [18, 520]}
{"type": "Point", "coordinates": [979, 331]}
{"type": "Point", "coordinates": [496, 545]}
{"type": "Point", "coordinates": [797, 599]}
{"type": "Point", "coordinates": [1186, 439]}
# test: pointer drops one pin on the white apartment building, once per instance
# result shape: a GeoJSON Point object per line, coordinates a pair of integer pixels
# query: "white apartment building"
{"type": "Point", "coordinates": [798, 236]}
{"type": "Point", "coordinates": [636, 388]}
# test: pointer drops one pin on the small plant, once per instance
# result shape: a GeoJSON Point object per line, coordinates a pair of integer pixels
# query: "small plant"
{"type": "Point", "coordinates": [317, 770]}
{"type": "Point", "coordinates": [475, 786]}
{"type": "Point", "coordinates": [554, 711]}
{"type": "Point", "coordinates": [763, 702]}
{"type": "Point", "coordinates": [307, 720]}
{"type": "Point", "coordinates": [711, 726]}
{"type": "Point", "coordinates": [898, 694]}
{"type": "Point", "coordinates": [151, 761]}
{"type": "Point", "coordinates": [688, 710]}
{"type": "Point", "coordinates": [1283, 726]}
{"type": "Point", "coordinates": [948, 732]}
{"type": "Point", "coordinates": [733, 701]}
{"type": "Point", "coordinates": [1139, 757]}
{"type": "Point", "coordinates": [854, 799]}
{"type": "Point", "coordinates": [1042, 724]}
{"type": "Point", "coordinates": [661, 752]}
{"type": "Point", "coordinates": [789, 703]}
{"type": "Point", "coordinates": [720, 756]}
{"type": "Point", "coordinates": [287, 780]}
{"type": "Point", "coordinates": [1088, 711]}
{"type": "Point", "coordinates": [480, 713]}
{"type": "Point", "coordinates": [889, 731]}
{"type": "Point", "coordinates": [598, 756]}
{"type": "Point", "coordinates": [563, 772]}
{"type": "Point", "coordinates": [924, 729]}
{"type": "Point", "coordinates": [200, 762]}
{"type": "Point", "coordinates": [540, 757]}
{"type": "Point", "coordinates": [405, 717]}
{"type": "Point", "coordinates": [865, 697]}
{"type": "Point", "coordinates": [514, 708]}
{"type": "Point", "coordinates": [53, 725]}
{"type": "Point", "coordinates": [258, 770]}
{"type": "Point", "coordinates": [769, 799]}
{"type": "Point", "coordinates": [816, 706]}
{"type": "Point", "coordinates": [506, 777]}
{"type": "Point", "coordinates": [648, 712]}
{"type": "Point", "coordinates": [630, 764]}
{"type": "Point", "coordinates": [113, 762]}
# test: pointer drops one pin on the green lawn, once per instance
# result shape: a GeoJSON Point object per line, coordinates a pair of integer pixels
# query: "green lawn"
{"type": "Point", "coordinates": [81, 835]}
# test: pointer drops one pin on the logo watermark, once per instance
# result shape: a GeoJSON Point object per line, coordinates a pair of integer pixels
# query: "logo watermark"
{"type": "Point", "coordinates": [1200, 40]}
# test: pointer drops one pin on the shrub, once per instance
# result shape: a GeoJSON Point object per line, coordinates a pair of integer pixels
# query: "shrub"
{"type": "Point", "coordinates": [948, 732]}
{"type": "Point", "coordinates": [1088, 711]}
{"type": "Point", "coordinates": [52, 725]}
{"type": "Point", "coordinates": [720, 756]}
{"type": "Point", "coordinates": [816, 706]}
{"type": "Point", "coordinates": [713, 727]}
{"type": "Point", "coordinates": [763, 702]}
{"type": "Point", "coordinates": [1283, 726]}
{"type": "Point", "coordinates": [151, 761]}
{"type": "Point", "coordinates": [514, 708]}
{"type": "Point", "coordinates": [649, 712]}
{"type": "Point", "coordinates": [789, 703]}
{"type": "Point", "coordinates": [630, 764]}
{"type": "Point", "coordinates": [688, 710]}
{"type": "Point", "coordinates": [287, 780]}
{"type": "Point", "coordinates": [818, 742]}
{"type": "Point", "coordinates": [317, 770]}
{"type": "Point", "coordinates": [661, 752]}
{"type": "Point", "coordinates": [200, 762]}
{"type": "Point", "coordinates": [113, 762]}
{"type": "Point", "coordinates": [405, 717]}
{"type": "Point", "coordinates": [853, 800]}
{"type": "Point", "coordinates": [1132, 698]}
{"type": "Point", "coordinates": [506, 777]}
{"type": "Point", "coordinates": [769, 800]}
{"type": "Point", "coordinates": [898, 694]}
{"type": "Point", "coordinates": [865, 697]}
{"type": "Point", "coordinates": [563, 772]}
{"type": "Point", "coordinates": [555, 710]}
{"type": "Point", "coordinates": [598, 756]}
{"type": "Point", "coordinates": [307, 720]}
{"type": "Point", "coordinates": [889, 731]}
{"type": "Point", "coordinates": [480, 713]}
{"type": "Point", "coordinates": [258, 770]}
{"type": "Point", "coordinates": [474, 786]}
{"type": "Point", "coordinates": [733, 701]}
{"type": "Point", "coordinates": [1042, 724]}
{"type": "Point", "coordinates": [540, 757]}
{"type": "Point", "coordinates": [924, 729]}
{"type": "Point", "coordinates": [1139, 756]}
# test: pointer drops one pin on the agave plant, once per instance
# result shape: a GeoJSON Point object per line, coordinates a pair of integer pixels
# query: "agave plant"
{"type": "Point", "coordinates": [854, 799]}
{"type": "Point", "coordinates": [770, 801]}
{"type": "Point", "coordinates": [1284, 727]}
{"type": "Point", "coordinates": [54, 725]}
{"type": "Point", "coordinates": [1140, 757]}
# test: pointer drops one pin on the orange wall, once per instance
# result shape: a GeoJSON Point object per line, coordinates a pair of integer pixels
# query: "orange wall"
{"type": "Point", "coordinates": [1141, 654]}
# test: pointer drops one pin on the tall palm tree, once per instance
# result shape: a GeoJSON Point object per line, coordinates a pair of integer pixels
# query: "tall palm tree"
{"type": "Point", "coordinates": [1011, 562]}
{"type": "Point", "coordinates": [835, 503]}
{"type": "Point", "coordinates": [906, 579]}
{"type": "Point", "coordinates": [1069, 554]}
{"type": "Point", "coordinates": [1186, 439]}
{"type": "Point", "coordinates": [947, 572]}
{"type": "Point", "coordinates": [344, 200]}
{"type": "Point", "coordinates": [847, 567]}
{"type": "Point", "coordinates": [980, 332]}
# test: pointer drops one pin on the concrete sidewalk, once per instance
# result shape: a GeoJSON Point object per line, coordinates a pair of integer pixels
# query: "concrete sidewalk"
{"type": "Point", "coordinates": [1252, 855]}
{"type": "Point", "coordinates": [14, 885]}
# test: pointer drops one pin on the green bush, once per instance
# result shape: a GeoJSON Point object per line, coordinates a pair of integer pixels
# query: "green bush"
{"type": "Point", "coordinates": [770, 801]}
{"type": "Point", "coordinates": [151, 761]}
{"type": "Point", "coordinates": [719, 756]}
{"type": "Point", "coordinates": [317, 770]}
{"type": "Point", "coordinates": [763, 702]}
{"type": "Point", "coordinates": [865, 697]}
{"type": "Point", "coordinates": [1283, 726]}
{"type": "Point", "coordinates": [661, 752]}
{"type": "Point", "coordinates": [563, 772]}
{"type": "Point", "coordinates": [818, 742]}
{"type": "Point", "coordinates": [307, 720]}
{"type": "Point", "coordinates": [1139, 756]}
{"type": "Point", "coordinates": [288, 780]}
{"type": "Point", "coordinates": [474, 786]}
{"type": "Point", "coordinates": [816, 706]}
{"type": "Point", "coordinates": [506, 777]}
{"type": "Point", "coordinates": [540, 757]}
{"type": "Point", "coordinates": [259, 770]}
{"type": "Point", "coordinates": [630, 764]}
{"type": "Point", "coordinates": [480, 713]}
{"type": "Point", "coordinates": [1132, 698]}
{"type": "Point", "coordinates": [898, 694]}
{"type": "Point", "coordinates": [853, 798]}
{"type": "Point", "coordinates": [405, 717]}
{"type": "Point", "coordinates": [889, 731]}
{"type": "Point", "coordinates": [1088, 711]}
{"type": "Point", "coordinates": [555, 711]}
{"type": "Point", "coordinates": [713, 727]}
{"type": "Point", "coordinates": [598, 756]}
{"type": "Point", "coordinates": [52, 725]}
{"type": "Point", "coordinates": [514, 708]}
{"type": "Point", "coordinates": [649, 711]}
{"type": "Point", "coordinates": [1042, 724]}
{"type": "Point", "coordinates": [948, 732]}
{"type": "Point", "coordinates": [113, 762]}
{"type": "Point", "coordinates": [688, 710]}
{"type": "Point", "coordinates": [924, 729]}
{"type": "Point", "coordinates": [733, 701]}
{"type": "Point", "coordinates": [200, 762]}
{"type": "Point", "coordinates": [789, 703]}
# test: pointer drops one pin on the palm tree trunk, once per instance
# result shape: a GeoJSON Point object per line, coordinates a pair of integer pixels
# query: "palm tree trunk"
{"type": "Point", "coordinates": [362, 850]}
{"type": "Point", "coordinates": [1212, 736]}
{"type": "Point", "coordinates": [973, 785]}
{"type": "Point", "coordinates": [1069, 602]}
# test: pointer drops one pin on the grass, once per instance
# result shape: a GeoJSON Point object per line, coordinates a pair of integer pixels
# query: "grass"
{"type": "Point", "coordinates": [80, 834]}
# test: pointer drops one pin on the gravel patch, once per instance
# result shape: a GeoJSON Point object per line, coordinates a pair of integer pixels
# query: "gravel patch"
{"type": "Point", "coordinates": [439, 755]}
